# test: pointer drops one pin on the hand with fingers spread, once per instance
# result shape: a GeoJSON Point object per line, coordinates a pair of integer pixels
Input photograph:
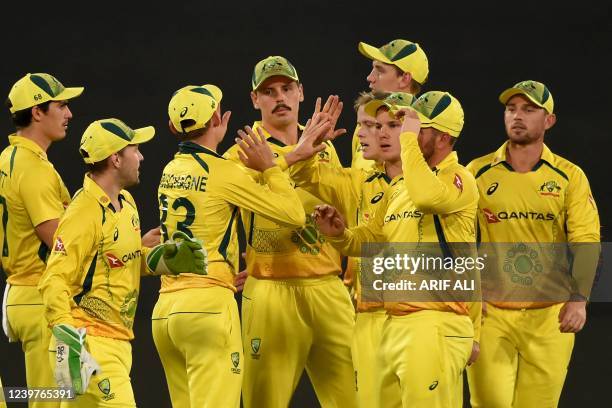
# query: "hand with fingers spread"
{"type": "Point", "coordinates": [310, 141]}
{"type": "Point", "coordinates": [254, 150]}
{"type": "Point", "coordinates": [572, 317]}
{"type": "Point", "coordinates": [329, 221]}
{"type": "Point", "coordinates": [410, 120]}
{"type": "Point", "coordinates": [331, 111]}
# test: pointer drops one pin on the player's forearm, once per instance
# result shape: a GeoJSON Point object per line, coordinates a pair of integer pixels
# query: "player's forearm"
{"type": "Point", "coordinates": [351, 241]}
{"type": "Point", "coordinates": [584, 267]}
{"type": "Point", "coordinates": [425, 189]}
{"type": "Point", "coordinates": [288, 207]}
{"type": "Point", "coordinates": [56, 297]}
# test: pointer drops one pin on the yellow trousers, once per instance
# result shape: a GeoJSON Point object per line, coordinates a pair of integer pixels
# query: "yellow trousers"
{"type": "Point", "coordinates": [25, 318]}
{"type": "Point", "coordinates": [423, 356]}
{"type": "Point", "coordinates": [197, 335]}
{"type": "Point", "coordinates": [368, 369]}
{"type": "Point", "coordinates": [111, 387]}
{"type": "Point", "coordinates": [523, 359]}
{"type": "Point", "coordinates": [292, 324]}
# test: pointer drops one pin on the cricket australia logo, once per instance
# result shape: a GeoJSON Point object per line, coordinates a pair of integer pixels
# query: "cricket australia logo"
{"type": "Point", "coordinates": [235, 356]}
{"type": "Point", "coordinates": [550, 188]}
{"type": "Point", "coordinates": [255, 345]}
{"type": "Point", "coordinates": [105, 387]}
{"type": "Point", "coordinates": [522, 264]}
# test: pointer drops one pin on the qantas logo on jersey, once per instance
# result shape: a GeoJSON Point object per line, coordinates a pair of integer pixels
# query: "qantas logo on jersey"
{"type": "Point", "coordinates": [458, 182]}
{"type": "Point", "coordinates": [405, 214]}
{"type": "Point", "coordinates": [490, 216]}
{"type": "Point", "coordinates": [113, 261]}
{"type": "Point", "coordinates": [493, 218]}
{"type": "Point", "coordinates": [59, 246]}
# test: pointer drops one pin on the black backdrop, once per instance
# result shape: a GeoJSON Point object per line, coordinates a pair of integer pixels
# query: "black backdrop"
{"type": "Point", "coordinates": [131, 57]}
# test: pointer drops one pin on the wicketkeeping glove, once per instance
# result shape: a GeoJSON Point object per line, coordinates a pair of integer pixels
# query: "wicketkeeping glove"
{"type": "Point", "coordinates": [179, 254]}
{"type": "Point", "coordinates": [74, 366]}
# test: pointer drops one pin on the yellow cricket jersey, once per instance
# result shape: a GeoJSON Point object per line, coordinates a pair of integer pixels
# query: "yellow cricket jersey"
{"type": "Point", "coordinates": [355, 192]}
{"type": "Point", "coordinates": [428, 205]}
{"type": "Point", "coordinates": [31, 192]}
{"type": "Point", "coordinates": [201, 193]}
{"type": "Point", "coordinates": [551, 203]}
{"type": "Point", "coordinates": [93, 273]}
{"type": "Point", "coordinates": [357, 161]}
{"type": "Point", "coordinates": [277, 251]}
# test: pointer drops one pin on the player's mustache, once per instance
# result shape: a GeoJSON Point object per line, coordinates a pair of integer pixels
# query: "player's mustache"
{"type": "Point", "coordinates": [280, 105]}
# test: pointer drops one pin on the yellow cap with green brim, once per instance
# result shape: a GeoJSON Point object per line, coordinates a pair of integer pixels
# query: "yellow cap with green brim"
{"type": "Point", "coordinates": [440, 110]}
{"type": "Point", "coordinates": [34, 89]}
{"type": "Point", "coordinates": [404, 54]}
{"type": "Point", "coordinates": [108, 136]}
{"type": "Point", "coordinates": [395, 101]}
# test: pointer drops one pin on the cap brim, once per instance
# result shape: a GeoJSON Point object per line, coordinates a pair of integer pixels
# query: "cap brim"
{"type": "Point", "coordinates": [273, 74]}
{"type": "Point", "coordinates": [215, 91]}
{"type": "Point", "coordinates": [143, 135]}
{"type": "Point", "coordinates": [373, 53]}
{"type": "Point", "coordinates": [372, 107]}
{"type": "Point", "coordinates": [68, 93]}
{"type": "Point", "coordinates": [505, 96]}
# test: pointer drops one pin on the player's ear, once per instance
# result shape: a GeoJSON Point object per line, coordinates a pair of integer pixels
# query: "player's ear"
{"type": "Point", "coordinates": [254, 100]}
{"type": "Point", "coordinates": [172, 128]}
{"type": "Point", "coordinates": [550, 121]}
{"type": "Point", "coordinates": [405, 80]}
{"type": "Point", "coordinates": [215, 119]}
{"type": "Point", "coordinates": [301, 90]}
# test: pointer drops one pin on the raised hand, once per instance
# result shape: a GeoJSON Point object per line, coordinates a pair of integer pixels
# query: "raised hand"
{"type": "Point", "coordinates": [254, 152]}
{"type": "Point", "coordinates": [410, 120]}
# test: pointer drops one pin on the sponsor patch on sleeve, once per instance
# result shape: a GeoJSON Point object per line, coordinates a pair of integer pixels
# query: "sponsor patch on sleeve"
{"type": "Point", "coordinates": [58, 246]}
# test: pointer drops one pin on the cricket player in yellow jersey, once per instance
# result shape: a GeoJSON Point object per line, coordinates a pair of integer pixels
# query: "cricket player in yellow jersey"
{"type": "Point", "coordinates": [356, 194]}
{"type": "Point", "coordinates": [296, 312]}
{"type": "Point", "coordinates": [528, 194]}
{"type": "Point", "coordinates": [90, 287]}
{"type": "Point", "coordinates": [196, 325]}
{"type": "Point", "coordinates": [424, 345]}
{"type": "Point", "coordinates": [32, 199]}
{"type": "Point", "coordinates": [398, 66]}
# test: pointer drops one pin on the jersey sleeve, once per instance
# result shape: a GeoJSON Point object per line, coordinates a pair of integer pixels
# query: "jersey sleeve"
{"type": "Point", "coordinates": [74, 249]}
{"type": "Point", "coordinates": [430, 193]}
{"type": "Point", "coordinates": [583, 232]}
{"type": "Point", "coordinates": [333, 185]}
{"type": "Point", "coordinates": [276, 199]}
{"type": "Point", "coordinates": [350, 242]}
{"type": "Point", "coordinates": [42, 200]}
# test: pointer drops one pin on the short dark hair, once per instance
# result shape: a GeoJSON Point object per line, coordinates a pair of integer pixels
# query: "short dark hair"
{"type": "Point", "coordinates": [102, 165]}
{"type": "Point", "coordinates": [23, 118]}
{"type": "Point", "coordinates": [415, 86]}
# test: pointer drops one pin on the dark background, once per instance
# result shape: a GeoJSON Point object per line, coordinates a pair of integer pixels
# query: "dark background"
{"type": "Point", "coordinates": [131, 57]}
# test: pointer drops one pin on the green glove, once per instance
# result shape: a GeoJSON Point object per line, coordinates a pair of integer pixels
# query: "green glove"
{"type": "Point", "coordinates": [180, 254]}
{"type": "Point", "coordinates": [74, 366]}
